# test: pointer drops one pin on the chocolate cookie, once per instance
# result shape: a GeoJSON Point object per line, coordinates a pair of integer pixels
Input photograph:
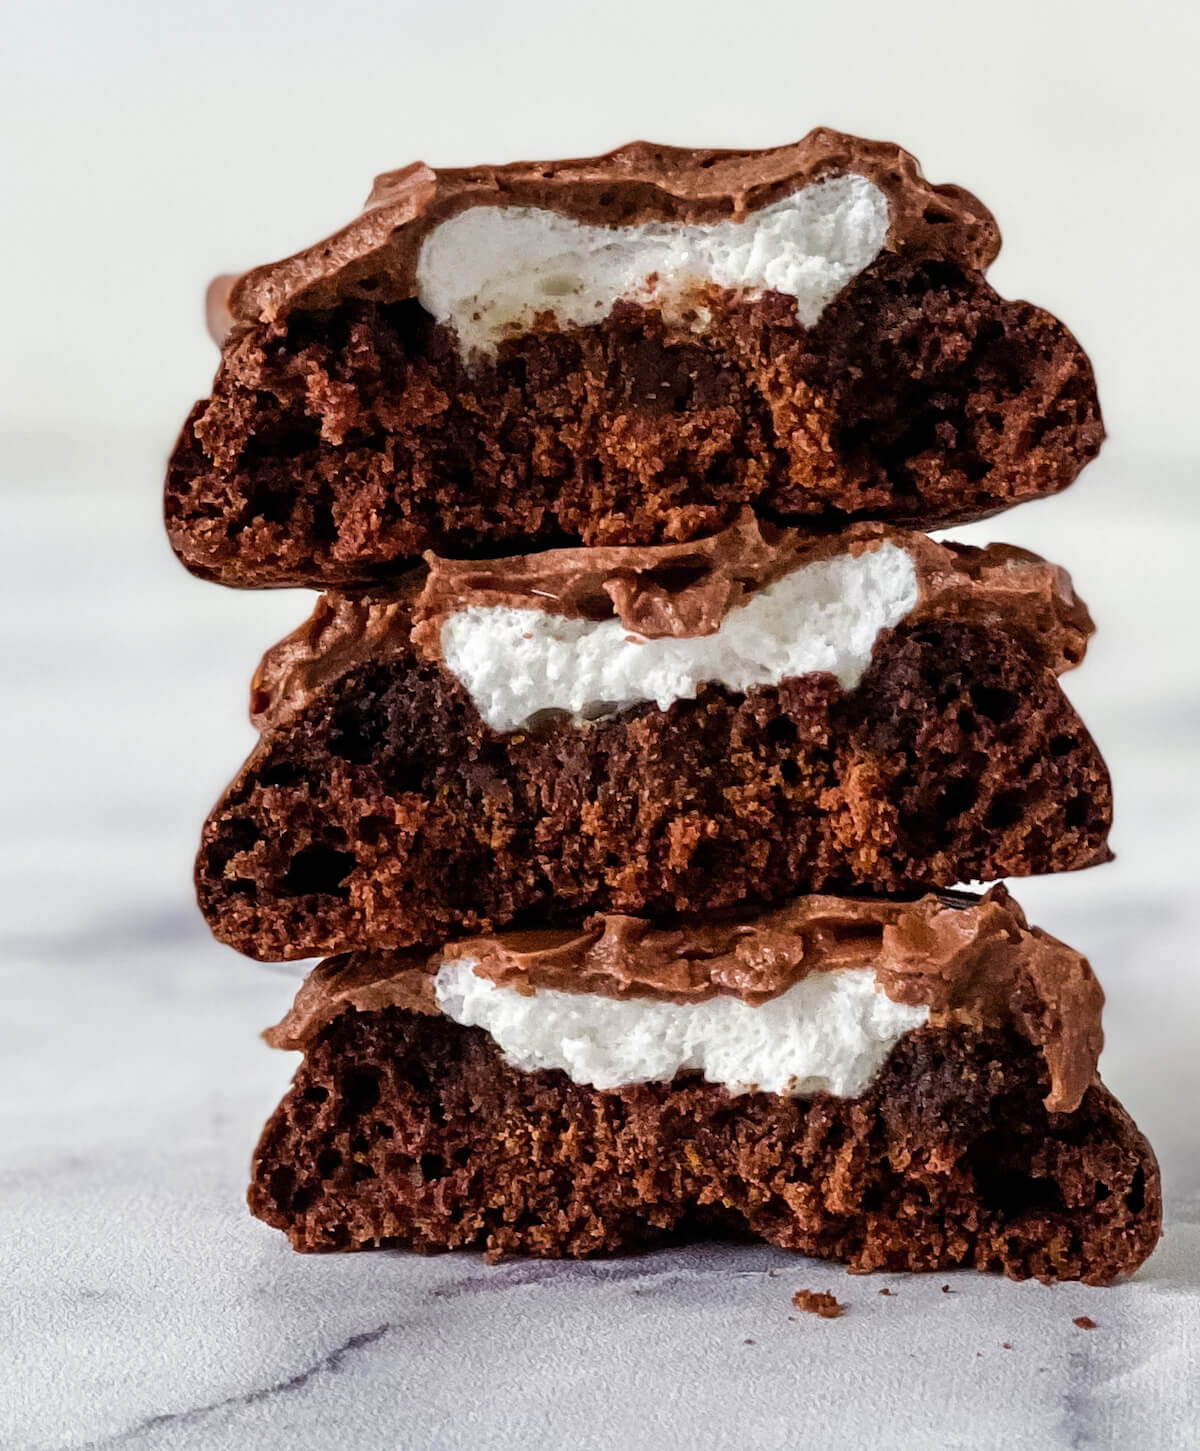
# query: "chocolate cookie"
{"type": "Point", "coordinates": [656, 731]}
{"type": "Point", "coordinates": [622, 350]}
{"type": "Point", "coordinates": [898, 1086]}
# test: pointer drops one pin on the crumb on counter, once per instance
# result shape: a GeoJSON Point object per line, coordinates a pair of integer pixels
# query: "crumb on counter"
{"type": "Point", "coordinates": [818, 1302]}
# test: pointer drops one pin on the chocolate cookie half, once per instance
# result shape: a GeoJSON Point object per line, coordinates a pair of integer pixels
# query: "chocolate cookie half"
{"type": "Point", "coordinates": [894, 1085]}
{"type": "Point", "coordinates": [653, 731]}
{"type": "Point", "coordinates": [623, 350]}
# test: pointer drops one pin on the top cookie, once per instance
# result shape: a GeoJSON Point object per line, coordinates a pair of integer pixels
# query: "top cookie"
{"type": "Point", "coordinates": [623, 350]}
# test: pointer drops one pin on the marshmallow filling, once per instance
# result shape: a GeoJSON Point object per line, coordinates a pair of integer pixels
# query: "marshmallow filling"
{"type": "Point", "coordinates": [831, 1032]}
{"type": "Point", "coordinates": [494, 272]}
{"type": "Point", "coordinates": [822, 617]}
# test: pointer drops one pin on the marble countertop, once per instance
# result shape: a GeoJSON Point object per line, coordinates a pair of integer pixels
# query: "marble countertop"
{"type": "Point", "coordinates": [144, 1308]}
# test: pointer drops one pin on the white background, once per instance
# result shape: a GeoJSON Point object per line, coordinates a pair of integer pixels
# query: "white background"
{"type": "Point", "coordinates": [152, 145]}
{"type": "Point", "coordinates": [148, 146]}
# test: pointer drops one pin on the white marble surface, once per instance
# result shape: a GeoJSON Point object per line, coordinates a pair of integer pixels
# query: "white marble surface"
{"type": "Point", "coordinates": [141, 1306]}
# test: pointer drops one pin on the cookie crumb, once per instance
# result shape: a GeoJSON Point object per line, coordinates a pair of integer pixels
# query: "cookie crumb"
{"type": "Point", "coordinates": [747, 1342]}
{"type": "Point", "coordinates": [1085, 1322]}
{"type": "Point", "coordinates": [818, 1302]}
{"type": "Point", "coordinates": [1006, 1346]}
{"type": "Point", "coordinates": [946, 1290]}
{"type": "Point", "coordinates": [885, 1291]}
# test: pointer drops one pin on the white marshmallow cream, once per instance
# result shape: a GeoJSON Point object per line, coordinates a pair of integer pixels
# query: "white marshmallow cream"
{"type": "Point", "coordinates": [491, 271]}
{"type": "Point", "coordinates": [823, 616]}
{"type": "Point", "coordinates": [829, 1033]}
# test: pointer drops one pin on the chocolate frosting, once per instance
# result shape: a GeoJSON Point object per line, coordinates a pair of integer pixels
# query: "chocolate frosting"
{"type": "Point", "coordinates": [343, 631]}
{"type": "Point", "coordinates": [974, 961]}
{"type": "Point", "coordinates": [375, 256]}
{"type": "Point", "coordinates": [673, 589]}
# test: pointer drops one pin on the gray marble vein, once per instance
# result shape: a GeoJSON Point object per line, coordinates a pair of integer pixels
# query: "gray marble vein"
{"type": "Point", "coordinates": [195, 1417]}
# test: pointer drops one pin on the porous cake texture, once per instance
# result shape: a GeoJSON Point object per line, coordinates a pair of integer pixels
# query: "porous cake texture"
{"type": "Point", "coordinates": [982, 1135]}
{"type": "Point", "coordinates": [925, 742]}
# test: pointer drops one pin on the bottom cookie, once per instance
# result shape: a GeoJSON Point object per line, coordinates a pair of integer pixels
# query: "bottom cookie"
{"type": "Point", "coordinates": [403, 1127]}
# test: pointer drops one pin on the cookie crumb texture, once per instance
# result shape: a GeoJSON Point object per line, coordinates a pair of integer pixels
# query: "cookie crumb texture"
{"type": "Point", "coordinates": [409, 1131]}
{"type": "Point", "coordinates": [818, 1302]}
{"type": "Point", "coordinates": [338, 445]}
{"type": "Point", "coordinates": [386, 814]}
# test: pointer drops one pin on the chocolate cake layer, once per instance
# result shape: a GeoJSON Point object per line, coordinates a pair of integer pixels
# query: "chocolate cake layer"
{"type": "Point", "coordinates": [386, 812]}
{"type": "Point", "coordinates": [411, 1131]}
{"type": "Point", "coordinates": [520, 357]}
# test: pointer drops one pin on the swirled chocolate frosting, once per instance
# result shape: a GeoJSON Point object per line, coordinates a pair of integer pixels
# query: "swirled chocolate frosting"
{"type": "Point", "coordinates": [974, 961]}
{"type": "Point", "coordinates": [677, 589]}
{"type": "Point", "coordinates": [375, 256]}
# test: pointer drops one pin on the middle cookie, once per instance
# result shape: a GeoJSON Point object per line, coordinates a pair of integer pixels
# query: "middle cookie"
{"type": "Point", "coordinates": [651, 730]}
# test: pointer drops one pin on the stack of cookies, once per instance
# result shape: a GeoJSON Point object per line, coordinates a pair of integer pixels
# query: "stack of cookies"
{"type": "Point", "coordinates": [630, 762]}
